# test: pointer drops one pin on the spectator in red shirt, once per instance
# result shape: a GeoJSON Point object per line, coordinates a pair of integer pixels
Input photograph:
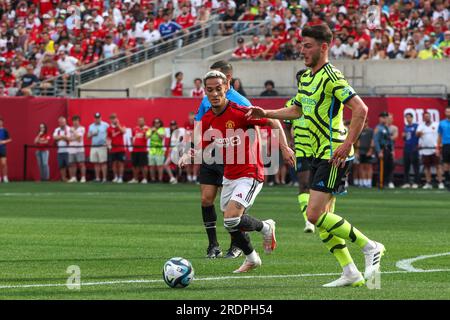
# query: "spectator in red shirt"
{"type": "Point", "coordinates": [42, 141]}
{"type": "Point", "coordinates": [115, 136]}
{"type": "Point", "coordinates": [177, 85]}
{"type": "Point", "coordinates": [139, 155]}
{"type": "Point", "coordinates": [8, 78]}
{"type": "Point", "coordinates": [241, 52]}
{"type": "Point", "coordinates": [185, 19]}
{"type": "Point", "coordinates": [271, 48]}
{"type": "Point", "coordinates": [257, 49]}
{"type": "Point", "coordinates": [198, 91]}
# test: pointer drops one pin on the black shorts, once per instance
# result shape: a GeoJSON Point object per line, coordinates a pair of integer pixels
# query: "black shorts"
{"type": "Point", "coordinates": [303, 164]}
{"type": "Point", "coordinates": [2, 153]}
{"type": "Point", "coordinates": [211, 174]}
{"type": "Point", "coordinates": [363, 158]}
{"type": "Point", "coordinates": [139, 159]}
{"type": "Point", "coordinates": [118, 156]}
{"type": "Point", "coordinates": [446, 153]}
{"type": "Point", "coordinates": [327, 178]}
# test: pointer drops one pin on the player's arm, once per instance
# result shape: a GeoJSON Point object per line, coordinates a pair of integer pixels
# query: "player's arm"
{"type": "Point", "coordinates": [290, 113]}
{"type": "Point", "coordinates": [7, 140]}
{"type": "Point", "coordinates": [359, 114]}
{"type": "Point", "coordinates": [287, 153]}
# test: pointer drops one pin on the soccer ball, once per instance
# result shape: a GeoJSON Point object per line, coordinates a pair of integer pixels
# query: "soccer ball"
{"type": "Point", "coordinates": [178, 273]}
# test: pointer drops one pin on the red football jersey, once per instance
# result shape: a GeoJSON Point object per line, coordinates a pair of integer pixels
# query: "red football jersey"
{"type": "Point", "coordinates": [231, 139]}
{"type": "Point", "coordinates": [139, 139]}
{"type": "Point", "coordinates": [116, 137]}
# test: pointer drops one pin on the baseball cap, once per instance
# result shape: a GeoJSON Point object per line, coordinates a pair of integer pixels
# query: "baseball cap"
{"type": "Point", "coordinates": [97, 115]}
{"type": "Point", "coordinates": [2, 59]}
{"type": "Point", "coordinates": [384, 114]}
{"type": "Point", "coordinates": [240, 40]}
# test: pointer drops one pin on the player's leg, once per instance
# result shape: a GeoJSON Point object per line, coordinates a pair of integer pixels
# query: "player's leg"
{"type": "Point", "coordinates": [237, 196]}
{"type": "Point", "coordinates": [160, 167]}
{"type": "Point", "coordinates": [303, 175]}
{"type": "Point", "coordinates": [152, 164]}
{"type": "Point", "coordinates": [209, 216]}
{"type": "Point", "coordinates": [72, 168]}
{"type": "Point", "coordinates": [446, 163]}
{"type": "Point", "coordinates": [324, 183]}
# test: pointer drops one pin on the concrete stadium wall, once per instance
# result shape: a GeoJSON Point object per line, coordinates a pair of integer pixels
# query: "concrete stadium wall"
{"type": "Point", "coordinates": [362, 75]}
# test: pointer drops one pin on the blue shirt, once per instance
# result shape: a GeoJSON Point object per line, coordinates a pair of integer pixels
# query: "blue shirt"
{"type": "Point", "coordinates": [4, 135]}
{"type": "Point", "coordinates": [231, 95]}
{"type": "Point", "coordinates": [168, 29]}
{"type": "Point", "coordinates": [100, 138]}
{"type": "Point", "coordinates": [411, 139]}
{"type": "Point", "coordinates": [444, 131]}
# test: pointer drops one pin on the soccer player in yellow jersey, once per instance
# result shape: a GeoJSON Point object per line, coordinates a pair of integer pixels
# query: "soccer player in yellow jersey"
{"type": "Point", "coordinates": [323, 93]}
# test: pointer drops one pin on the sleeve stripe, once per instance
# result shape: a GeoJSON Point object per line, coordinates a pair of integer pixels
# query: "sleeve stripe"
{"type": "Point", "coordinates": [349, 97]}
{"type": "Point", "coordinates": [298, 104]}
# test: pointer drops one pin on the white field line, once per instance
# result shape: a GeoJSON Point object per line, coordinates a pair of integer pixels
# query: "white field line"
{"type": "Point", "coordinates": [406, 264]}
{"type": "Point", "coordinates": [114, 282]}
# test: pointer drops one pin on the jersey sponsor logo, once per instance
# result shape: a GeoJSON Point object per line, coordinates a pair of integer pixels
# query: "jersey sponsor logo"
{"type": "Point", "coordinates": [228, 141]}
{"type": "Point", "coordinates": [239, 195]}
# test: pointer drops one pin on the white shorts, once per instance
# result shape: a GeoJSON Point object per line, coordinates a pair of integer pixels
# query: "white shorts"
{"type": "Point", "coordinates": [242, 190]}
{"type": "Point", "coordinates": [99, 154]}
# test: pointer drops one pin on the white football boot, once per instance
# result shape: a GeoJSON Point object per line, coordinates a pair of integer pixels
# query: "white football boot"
{"type": "Point", "coordinates": [249, 265]}
{"type": "Point", "coordinates": [373, 258]}
{"type": "Point", "coordinates": [269, 239]}
{"type": "Point", "coordinates": [347, 280]}
{"type": "Point", "coordinates": [309, 227]}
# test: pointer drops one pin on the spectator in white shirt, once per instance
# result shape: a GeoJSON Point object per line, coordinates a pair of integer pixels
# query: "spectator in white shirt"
{"type": "Point", "coordinates": [351, 47]}
{"type": "Point", "coordinates": [76, 151]}
{"type": "Point", "coordinates": [110, 49]}
{"type": "Point", "coordinates": [67, 65]}
{"type": "Point", "coordinates": [61, 135]}
{"type": "Point", "coordinates": [428, 138]}
{"type": "Point", "coordinates": [151, 35]}
{"type": "Point", "coordinates": [337, 51]}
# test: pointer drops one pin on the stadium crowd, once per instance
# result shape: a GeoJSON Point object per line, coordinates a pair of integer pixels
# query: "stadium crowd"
{"type": "Point", "coordinates": [41, 39]}
{"type": "Point", "coordinates": [152, 152]}
{"type": "Point", "coordinates": [406, 29]}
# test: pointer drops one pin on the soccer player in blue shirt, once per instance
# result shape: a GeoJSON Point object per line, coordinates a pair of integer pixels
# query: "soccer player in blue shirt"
{"type": "Point", "coordinates": [444, 144]}
{"type": "Point", "coordinates": [411, 152]}
{"type": "Point", "coordinates": [4, 139]}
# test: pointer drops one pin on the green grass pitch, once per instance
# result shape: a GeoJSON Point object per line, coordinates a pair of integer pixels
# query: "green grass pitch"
{"type": "Point", "coordinates": [120, 233]}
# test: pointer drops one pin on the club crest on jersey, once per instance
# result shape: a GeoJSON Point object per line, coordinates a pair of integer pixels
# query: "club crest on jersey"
{"type": "Point", "coordinates": [230, 124]}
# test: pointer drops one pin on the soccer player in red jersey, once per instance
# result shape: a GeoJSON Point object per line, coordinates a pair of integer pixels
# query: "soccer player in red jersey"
{"type": "Point", "coordinates": [225, 127]}
{"type": "Point", "coordinates": [115, 141]}
{"type": "Point", "coordinates": [139, 156]}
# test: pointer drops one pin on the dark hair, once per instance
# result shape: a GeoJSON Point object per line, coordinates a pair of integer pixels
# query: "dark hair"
{"type": "Point", "coordinates": [269, 82]}
{"type": "Point", "coordinates": [198, 79]}
{"type": "Point", "coordinates": [45, 127]}
{"type": "Point", "coordinates": [409, 114]}
{"type": "Point", "coordinates": [178, 73]}
{"type": "Point", "coordinates": [76, 118]}
{"type": "Point", "coordinates": [222, 65]}
{"type": "Point", "coordinates": [320, 33]}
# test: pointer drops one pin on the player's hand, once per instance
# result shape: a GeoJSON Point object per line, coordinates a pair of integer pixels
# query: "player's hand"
{"type": "Point", "coordinates": [381, 155]}
{"type": "Point", "coordinates": [340, 155]}
{"type": "Point", "coordinates": [255, 112]}
{"type": "Point", "coordinates": [288, 156]}
{"type": "Point", "coordinates": [184, 160]}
